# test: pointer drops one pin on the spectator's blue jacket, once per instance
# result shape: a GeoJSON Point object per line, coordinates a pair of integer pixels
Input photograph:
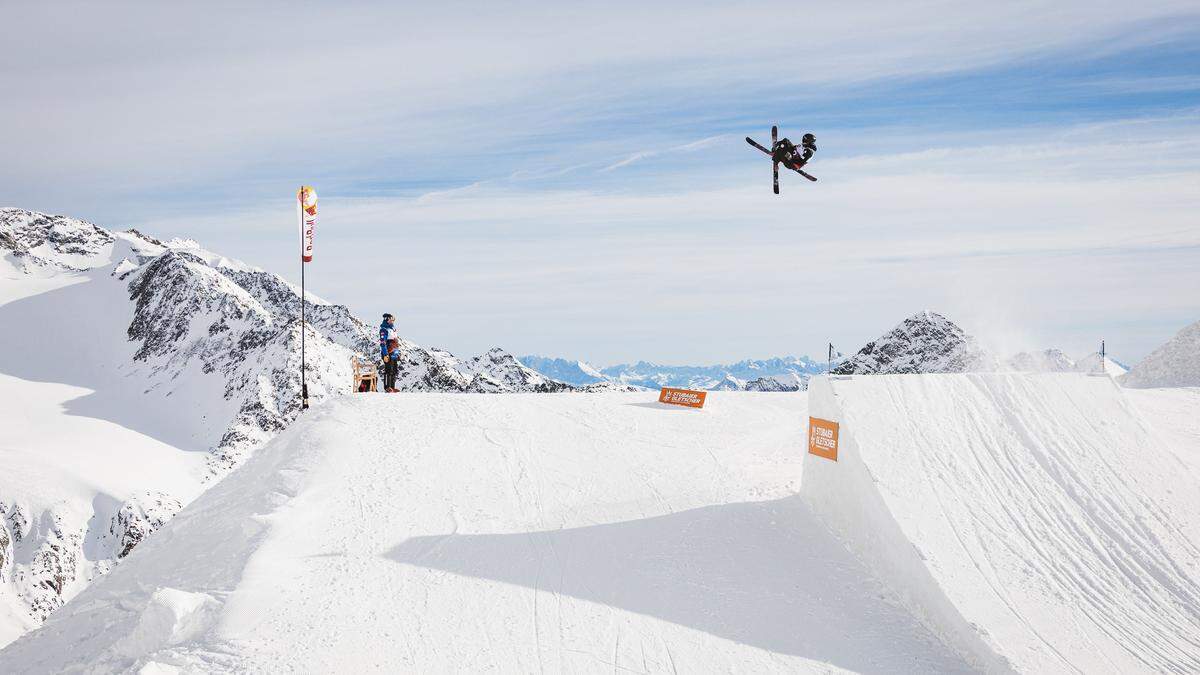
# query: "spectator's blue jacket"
{"type": "Point", "coordinates": [385, 331]}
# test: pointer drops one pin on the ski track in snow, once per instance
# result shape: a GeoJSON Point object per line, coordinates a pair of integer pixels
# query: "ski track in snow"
{"type": "Point", "coordinates": [1052, 517]}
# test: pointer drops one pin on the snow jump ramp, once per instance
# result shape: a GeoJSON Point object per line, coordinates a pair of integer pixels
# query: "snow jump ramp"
{"type": "Point", "coordinates": [1034, 521]}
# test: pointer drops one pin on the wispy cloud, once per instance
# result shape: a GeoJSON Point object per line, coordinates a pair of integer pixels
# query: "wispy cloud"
{"type": "Point", "coordinates": [646, 154]}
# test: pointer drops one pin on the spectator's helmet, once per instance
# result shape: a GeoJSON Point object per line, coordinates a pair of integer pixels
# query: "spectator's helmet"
{"type": "Point", "coordinates": [388, 317]}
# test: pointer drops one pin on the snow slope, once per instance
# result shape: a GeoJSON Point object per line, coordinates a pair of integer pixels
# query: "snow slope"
{"type": "Point", "coordinates": [78, 488]}
{"type": "Point", "coordinates": [435, 533]}
{"type": "Point", "coordinates": [1175, 413]}
{"type": "Point", "coordinates": [1175, 364]}
{"type": "Point", "coordinates": [1036, 521]}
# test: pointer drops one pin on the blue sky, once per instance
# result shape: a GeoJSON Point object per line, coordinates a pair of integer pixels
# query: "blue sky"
{"type": "Point", "coordinates": [574, 182]}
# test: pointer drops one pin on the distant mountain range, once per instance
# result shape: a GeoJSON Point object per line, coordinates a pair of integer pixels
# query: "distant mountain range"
{"type": "Point", "coordinates": [925, 342]}
{"type": "Point", "coordinates": [786, 373]}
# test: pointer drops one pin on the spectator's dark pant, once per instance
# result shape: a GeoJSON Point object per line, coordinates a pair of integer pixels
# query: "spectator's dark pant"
{"type": "Point", "coordinates": [390, 370]}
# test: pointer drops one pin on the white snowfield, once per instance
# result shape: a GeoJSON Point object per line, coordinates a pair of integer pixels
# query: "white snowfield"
{"type": "Point", "coordinates": [1036, 523]}
{"type": "Point", "coordinates": [519, 533]}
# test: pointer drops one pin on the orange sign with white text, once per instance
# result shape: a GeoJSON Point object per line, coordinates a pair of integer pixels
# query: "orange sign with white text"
{"type": "Point", "coordinates": [822, 438]}
{"type": "Point", "coordinates": [692, 399]}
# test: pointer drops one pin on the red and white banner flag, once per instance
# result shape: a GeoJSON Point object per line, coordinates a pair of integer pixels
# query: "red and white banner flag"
{"type": "Point", "coordinates": [306, 199]}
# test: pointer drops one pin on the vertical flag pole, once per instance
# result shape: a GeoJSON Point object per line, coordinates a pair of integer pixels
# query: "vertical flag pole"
{"type": "Point", "coordinates": [829, 360]}
{"type": "Point", "coordinates": [303, 381]}
{"type": "Point", "coordinates": [1103, 366]}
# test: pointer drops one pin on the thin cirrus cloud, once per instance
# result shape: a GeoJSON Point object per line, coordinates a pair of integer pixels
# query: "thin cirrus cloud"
{"type": "Point", "coordinates": [646, 154]}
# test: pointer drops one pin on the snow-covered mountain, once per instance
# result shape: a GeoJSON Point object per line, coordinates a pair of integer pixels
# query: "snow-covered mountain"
{"type": "Point", "coordinates": [1175, 364]}
{"type": "Point", "coordinates": [1045, 361]}
{"type": "Point", "coordinates": [577, 373]}
{"type": "Point", "coordinates": [728, 383]}
{"type": "Point", "coordinates": [187, 362]}
{"type": "Point", "coordinates": [777, 383]}
{"type": "Point", "coordinates": [643, 374]}
{"type": "Point", "coordinates": [926, 342]}
{"type": "Point", "coordinates": [653, 376]}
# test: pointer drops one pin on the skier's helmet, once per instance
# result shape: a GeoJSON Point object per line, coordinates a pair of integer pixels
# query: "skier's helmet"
{"type": "Point", "coordinates": [808, 139]}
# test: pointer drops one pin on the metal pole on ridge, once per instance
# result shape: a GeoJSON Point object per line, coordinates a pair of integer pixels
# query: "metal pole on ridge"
{"type": "Point", "coordinates": [303, 381]}
{"type": "Point", "coordinates": [306, 199]}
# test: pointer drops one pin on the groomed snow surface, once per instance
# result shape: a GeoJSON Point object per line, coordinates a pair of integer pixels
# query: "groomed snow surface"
{"type": "Point", "coordinates": [1039, 523]}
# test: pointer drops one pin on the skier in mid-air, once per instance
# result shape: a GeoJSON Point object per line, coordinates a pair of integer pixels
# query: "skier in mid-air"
{"type": "Point", "coordinates": [783, 151]}
{"type": "Point", "coordinates": [787, 154]}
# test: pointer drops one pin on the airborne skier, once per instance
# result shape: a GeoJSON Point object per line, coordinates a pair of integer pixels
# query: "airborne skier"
{"type": "Point", "coordinates": [787, 154]}
{"type": "Point", "coordinates": [783, 151]}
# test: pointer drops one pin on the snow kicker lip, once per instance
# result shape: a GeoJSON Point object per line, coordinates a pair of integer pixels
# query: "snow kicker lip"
{"type": "Point", "coordinates": [1032, 520]}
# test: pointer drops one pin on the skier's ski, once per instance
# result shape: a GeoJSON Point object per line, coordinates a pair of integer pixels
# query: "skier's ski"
{"type": "Point", "coordinates": [763, 148]}
{"type": "Point", "coordinates": [751, 141]}
{"type": "Point", "coordinates": [774, 164]}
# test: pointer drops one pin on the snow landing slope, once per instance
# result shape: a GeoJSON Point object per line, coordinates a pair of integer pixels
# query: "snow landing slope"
{"type": "Point", "coordinates": [1036, 521]}
{"type": "Point", "coordinates": [522, 533]}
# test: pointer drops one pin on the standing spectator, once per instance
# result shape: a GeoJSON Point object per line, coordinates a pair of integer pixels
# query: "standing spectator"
{"type": "Point", "coordinates": [389, 352]}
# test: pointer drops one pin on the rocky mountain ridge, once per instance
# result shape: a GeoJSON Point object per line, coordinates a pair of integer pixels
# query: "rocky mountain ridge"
{"type": "Point", "coordinates": [203, 340]}
{"type": "Point", "coordinates": [926, 342]}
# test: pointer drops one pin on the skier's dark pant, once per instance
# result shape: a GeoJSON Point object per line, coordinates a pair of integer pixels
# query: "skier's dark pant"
{"type": "Point", "coordinates": [390, 370]}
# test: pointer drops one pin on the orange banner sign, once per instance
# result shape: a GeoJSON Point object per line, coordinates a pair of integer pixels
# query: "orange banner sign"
{"type": "Point", "coordinates": [822, 438]}
{"type": "Point", "coordinates": [692, 399]}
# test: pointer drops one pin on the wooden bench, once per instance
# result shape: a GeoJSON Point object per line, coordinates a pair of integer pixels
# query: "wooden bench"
{"type": "Point", "coordinates": [366, 377]}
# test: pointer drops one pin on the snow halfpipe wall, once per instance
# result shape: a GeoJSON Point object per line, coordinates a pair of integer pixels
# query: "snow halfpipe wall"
{"type": "Point", "coordinates": [1035, 521]}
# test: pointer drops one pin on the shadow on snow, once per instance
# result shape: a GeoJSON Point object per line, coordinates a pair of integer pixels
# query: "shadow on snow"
{"type": "Point", "coordinates": [766, 574]}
